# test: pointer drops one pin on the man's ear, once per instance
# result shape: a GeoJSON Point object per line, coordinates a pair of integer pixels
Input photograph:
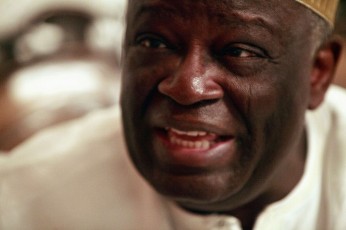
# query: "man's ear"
{"type": "Point", "coordinates": [323, 70]}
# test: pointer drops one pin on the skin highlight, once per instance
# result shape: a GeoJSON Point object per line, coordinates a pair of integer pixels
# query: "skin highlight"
{"type": "Point", "coordinates": [235, 70]}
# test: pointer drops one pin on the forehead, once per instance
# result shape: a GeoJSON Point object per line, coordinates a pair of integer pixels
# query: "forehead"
{"type": "Point", "coordinates": [274, 12]}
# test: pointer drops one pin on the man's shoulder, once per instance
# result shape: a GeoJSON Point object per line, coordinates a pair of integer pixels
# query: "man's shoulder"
{"type": "Point", "coordinates": [336, 99]}
{"type": "Point", "coordinates": [77, 175]}
{"type": "Point", "coordinates": [331, 113]}
{"type": "Point", "coordinates": [334, 156]}
{"type": "Point", "coordinates": [332, 117]}
{"type": "Point", "coordinates": [324, 181]}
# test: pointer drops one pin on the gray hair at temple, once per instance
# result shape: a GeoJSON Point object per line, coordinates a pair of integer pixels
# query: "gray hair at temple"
{"type": "Point", "coordinates": [324, 14]}
{"type": "Point", "coordinates": [324, 8]}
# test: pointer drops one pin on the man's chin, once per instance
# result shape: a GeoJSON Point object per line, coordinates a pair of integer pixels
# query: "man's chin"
{"type": "Point", "coordinates": [195, 192]}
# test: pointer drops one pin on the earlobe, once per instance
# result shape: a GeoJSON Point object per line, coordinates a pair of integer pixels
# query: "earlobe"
{"type": "Point", "coordinates": [323, 71]}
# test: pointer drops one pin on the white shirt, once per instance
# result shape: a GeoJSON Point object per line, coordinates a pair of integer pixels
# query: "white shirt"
{"type": "Point", "coordinates": [77, 176]}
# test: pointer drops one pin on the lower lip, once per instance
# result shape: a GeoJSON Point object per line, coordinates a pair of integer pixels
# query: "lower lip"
{"type": "Point", "coordinates": [172, 155]}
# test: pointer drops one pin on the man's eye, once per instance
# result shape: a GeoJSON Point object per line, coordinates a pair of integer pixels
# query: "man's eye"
{"type": "Point", "coordinates": [236, 52]}
{"type": "Point", "coordinates": [150, 42]}
{"type": "Point", "coordinates": [240, 52]}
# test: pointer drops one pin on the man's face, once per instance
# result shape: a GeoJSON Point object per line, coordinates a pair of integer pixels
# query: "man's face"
{"type": "Point", "coordinates": [214, 95]}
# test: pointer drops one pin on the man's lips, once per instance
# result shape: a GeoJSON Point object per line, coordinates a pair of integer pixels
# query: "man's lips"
{"type": "Point", "coordinates": [193, 148]}
{"type": "Point", "coordinates": [193, 140]}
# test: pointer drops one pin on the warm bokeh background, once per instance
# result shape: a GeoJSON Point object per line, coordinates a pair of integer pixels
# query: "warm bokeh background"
{"type": "Point", "coordinates": [340, 28]}
{"type": "Point", "coordinates": [59, 60]}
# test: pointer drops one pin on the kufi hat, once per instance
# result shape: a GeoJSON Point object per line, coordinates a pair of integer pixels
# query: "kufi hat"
{"type": "Point", "coordinates": [325, 8]}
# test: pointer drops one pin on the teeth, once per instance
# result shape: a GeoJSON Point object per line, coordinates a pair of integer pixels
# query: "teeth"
{"type": "Point", "coordinates": [189, 133]}
{"type": "Point", "coordinates": [179, 140]}
{"type": "Point", "coordinates": [202, 145]}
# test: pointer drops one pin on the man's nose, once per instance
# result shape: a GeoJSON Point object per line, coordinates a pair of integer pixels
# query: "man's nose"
{"type": "Point", "coordinates": [194, 80]}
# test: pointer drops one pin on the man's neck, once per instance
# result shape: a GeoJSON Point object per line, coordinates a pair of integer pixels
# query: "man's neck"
{"type": "Point", "coordinates": [285, 180]}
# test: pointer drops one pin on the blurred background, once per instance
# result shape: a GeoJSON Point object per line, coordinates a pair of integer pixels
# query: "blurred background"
{"type": "Point", "coordinates": [340, 29]}
{"type": "Point", "coordinates": [59, 60]}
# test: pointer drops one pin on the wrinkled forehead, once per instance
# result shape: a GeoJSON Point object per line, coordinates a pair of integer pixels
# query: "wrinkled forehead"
{"type": "Point", "coordinates": [326, 9]}
{"type": "Point", "coordinates": [279, 16]}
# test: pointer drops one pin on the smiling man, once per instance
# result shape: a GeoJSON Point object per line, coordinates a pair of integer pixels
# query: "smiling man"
{"type": "Point", "coordinates": [215, 98]}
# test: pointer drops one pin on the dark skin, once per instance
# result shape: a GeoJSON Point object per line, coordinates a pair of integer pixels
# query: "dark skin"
{"type": "Point", "coordinates": [240, 73]}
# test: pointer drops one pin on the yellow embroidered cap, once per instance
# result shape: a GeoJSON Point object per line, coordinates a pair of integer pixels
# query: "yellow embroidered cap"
{"type": "Point", "coordinates": [325, 8]}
